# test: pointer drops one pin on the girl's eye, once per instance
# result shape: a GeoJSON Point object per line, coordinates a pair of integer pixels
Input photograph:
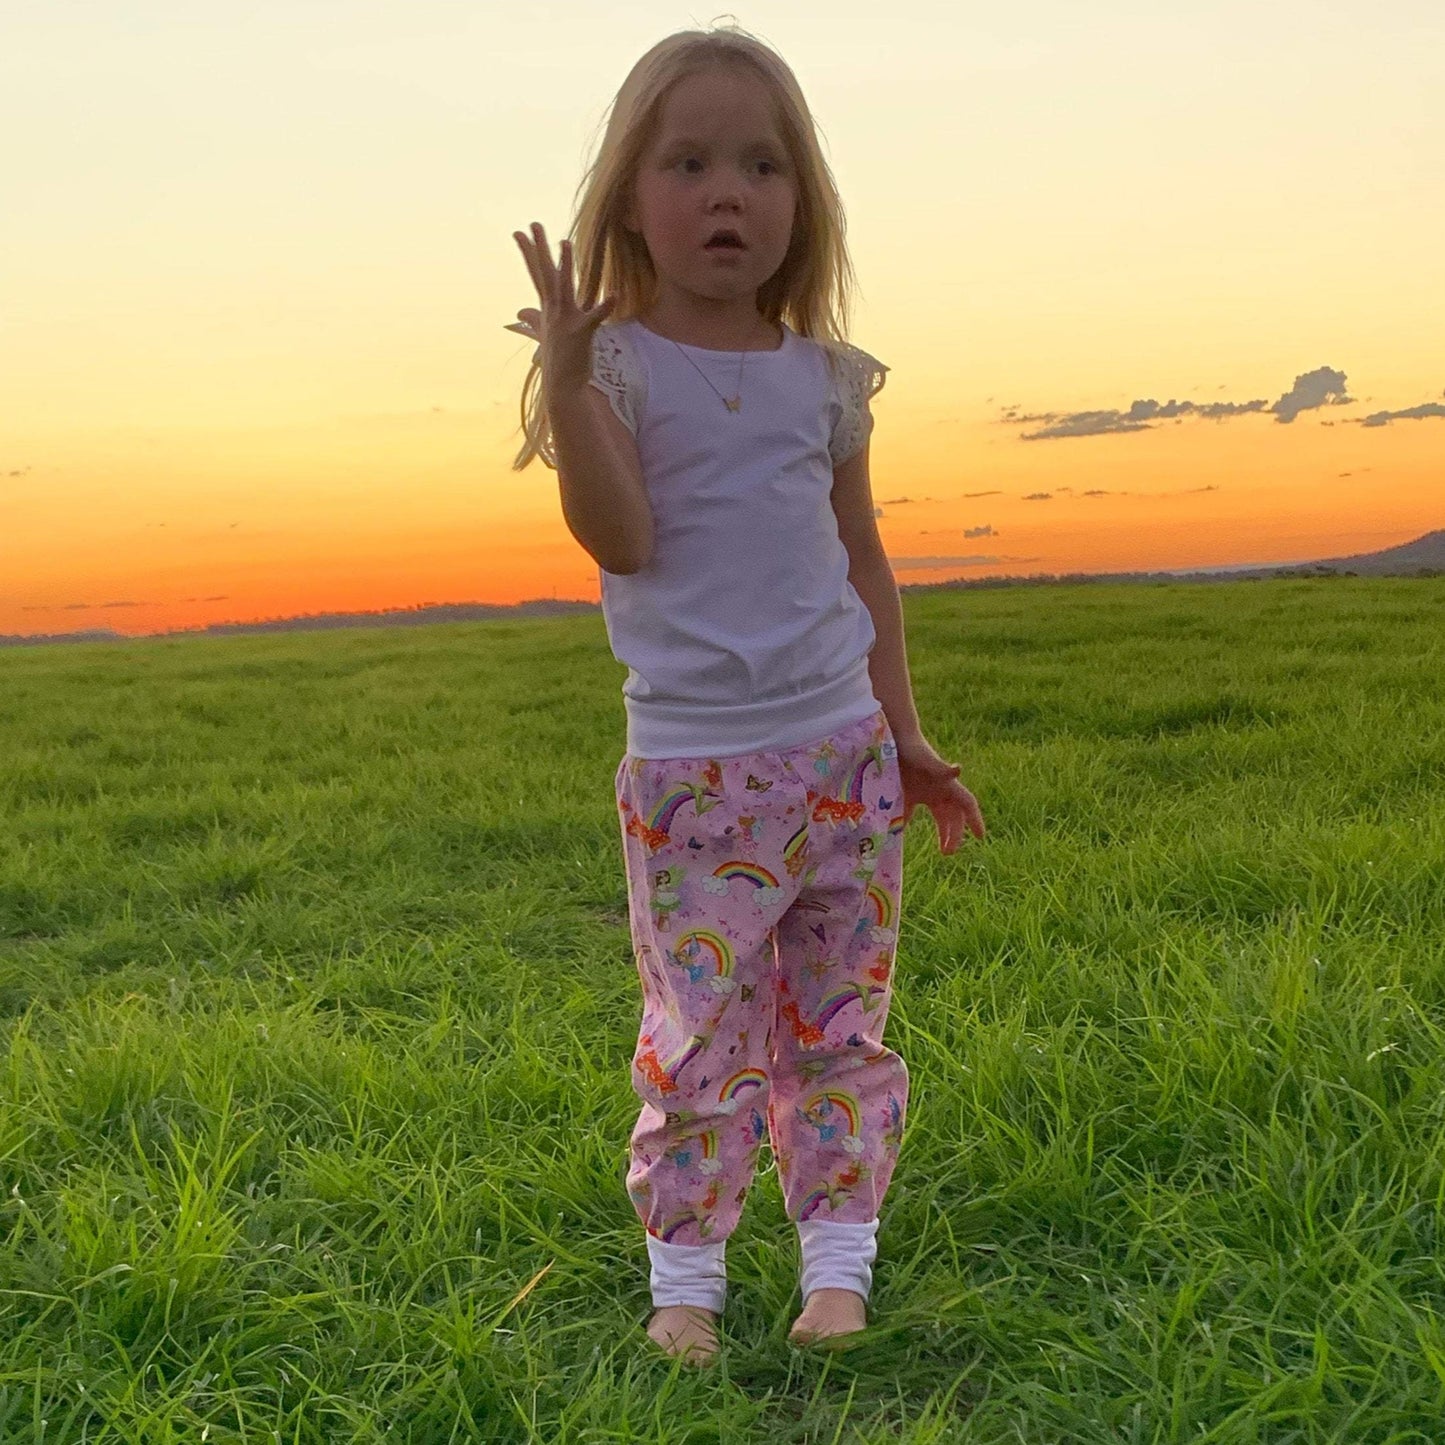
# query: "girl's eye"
{"type": "Point", "coordinates": [773, 164]}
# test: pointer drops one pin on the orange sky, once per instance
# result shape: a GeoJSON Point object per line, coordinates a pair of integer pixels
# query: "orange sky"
{"type": "Point", "coordinates": [255, 365]}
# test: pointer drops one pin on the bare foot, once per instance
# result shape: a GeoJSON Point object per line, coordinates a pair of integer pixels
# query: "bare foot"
{"type": "Point", "coordinates": [686, 1330]}
{"type": "Point", "coordinates": [827, 1313]}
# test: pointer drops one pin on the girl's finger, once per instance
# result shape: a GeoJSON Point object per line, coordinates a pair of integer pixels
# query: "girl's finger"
{"type": "Point", "coordinates": [528, 323]}
{"type": "Point", "coordinates": [564, 263]}
{"type": "Point", "coordinates": [537, 262]}
{"type": "Point", "coordinates": [529, 257]}
{"type": "Point", "coordinates": [544, 253]}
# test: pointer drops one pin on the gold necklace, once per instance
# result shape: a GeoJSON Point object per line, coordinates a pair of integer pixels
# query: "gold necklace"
{"type": "Point", "coordinates": [733, 404]}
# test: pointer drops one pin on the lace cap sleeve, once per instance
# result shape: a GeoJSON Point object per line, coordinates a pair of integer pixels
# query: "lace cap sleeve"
{"type": "Point", "coordinates": [616, 375]}
{"type": "Point", "coordinates": [859, 377]}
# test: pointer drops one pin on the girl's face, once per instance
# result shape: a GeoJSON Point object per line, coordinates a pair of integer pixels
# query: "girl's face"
{"type": "Point", "coordinates": [716, 162]}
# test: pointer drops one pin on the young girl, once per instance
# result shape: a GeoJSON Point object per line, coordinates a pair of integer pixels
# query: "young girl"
{"type": "Point", "coordinates": [711, 443]}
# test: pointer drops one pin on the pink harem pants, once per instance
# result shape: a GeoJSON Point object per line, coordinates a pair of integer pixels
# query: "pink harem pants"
{"type": "Point", "coordinates": [764, 894]}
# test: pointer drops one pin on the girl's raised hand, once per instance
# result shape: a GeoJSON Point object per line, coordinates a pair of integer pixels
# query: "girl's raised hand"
{"type": "Point", "coordinates": [562, 328]}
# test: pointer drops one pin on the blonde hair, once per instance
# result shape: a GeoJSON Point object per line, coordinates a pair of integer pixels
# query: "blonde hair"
{"type": "Point", "coordinates": [810, 290]}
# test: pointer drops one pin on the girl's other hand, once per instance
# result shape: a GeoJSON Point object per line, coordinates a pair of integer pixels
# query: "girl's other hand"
{"type": "Point", "coordinates": [562, 328]}
{"type": "Point", "coordinates": [929, 780]}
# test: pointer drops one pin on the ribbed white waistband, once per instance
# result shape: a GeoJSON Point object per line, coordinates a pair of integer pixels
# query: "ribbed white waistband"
{"type": "Point", "coordinates": [692, 730]}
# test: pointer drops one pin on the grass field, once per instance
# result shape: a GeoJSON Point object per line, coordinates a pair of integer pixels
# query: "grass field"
{"type": "Point", "coordinates": [317, 1004]}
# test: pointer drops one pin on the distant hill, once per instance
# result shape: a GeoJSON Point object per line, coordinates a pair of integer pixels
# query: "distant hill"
{"type": "Point", "coordinates": [325, 621]}
{"type": "Point", "coordinates": [1426, 552]}
{"type": "Point", "coordinates": [1424, 557]}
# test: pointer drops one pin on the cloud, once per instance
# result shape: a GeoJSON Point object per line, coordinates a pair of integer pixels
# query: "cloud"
{"type": "Point", "coordinates": [996, 492]}
{"type": "Point", "coordinates": [1092, 492]}
{"type": "Point", "coordinates": [978, 532]}
{"type": "Point", "coordinates": [1320, 387]}
{"type": "Point", "coordinates": [1324, 386]}
{"type": "Point", "coordinates": [914, 564]}
{"type": "Point", "coordinates": [102, 606]}
{"type": "Point", "coordinates": [1414, 413]}
{"type": "Point", "coordinates": [1137, 418]}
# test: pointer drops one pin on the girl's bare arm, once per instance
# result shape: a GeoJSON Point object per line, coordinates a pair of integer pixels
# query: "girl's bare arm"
{"type": "Point", "coordinates": [604, 499]}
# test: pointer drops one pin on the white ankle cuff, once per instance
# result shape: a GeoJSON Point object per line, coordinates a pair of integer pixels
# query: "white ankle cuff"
{"type": "Point", "coordinates": [688, 1274]}
{"type": "Point", "coordinates": [837, 1255]}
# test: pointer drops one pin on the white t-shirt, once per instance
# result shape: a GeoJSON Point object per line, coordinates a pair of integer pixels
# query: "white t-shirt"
{"type": "Point", "coordinates": [743, 633]}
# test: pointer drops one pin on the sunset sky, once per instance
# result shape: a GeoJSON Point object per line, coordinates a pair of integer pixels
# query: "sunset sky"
{"type": "Point", "coordinates": [1160, 286]}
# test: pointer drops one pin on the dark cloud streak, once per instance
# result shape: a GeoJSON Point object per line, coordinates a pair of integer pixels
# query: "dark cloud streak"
{"type": "Point", "coordinates": [1324, 386]}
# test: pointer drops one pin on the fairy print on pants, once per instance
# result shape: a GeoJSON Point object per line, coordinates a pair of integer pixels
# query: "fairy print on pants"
{"type": "Point", "coordinates": [764, 894]}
